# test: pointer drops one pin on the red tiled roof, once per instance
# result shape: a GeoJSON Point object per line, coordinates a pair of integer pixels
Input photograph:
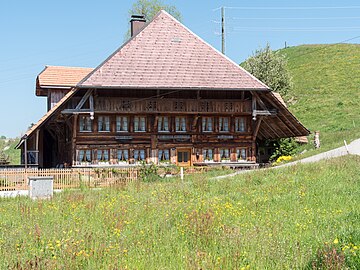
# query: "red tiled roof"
{"type": "Point", "coordinates": [165, 54]}
{"type": "Point", "coordinates": [62, 76]}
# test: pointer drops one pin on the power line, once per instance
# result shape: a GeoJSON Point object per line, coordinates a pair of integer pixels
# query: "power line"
{"type": "Point", "coordinates": [288, 29]}
{"type": "Point", "coordinates": [291, 8]}
{"type": "Point", "coordinates": [294, 18]}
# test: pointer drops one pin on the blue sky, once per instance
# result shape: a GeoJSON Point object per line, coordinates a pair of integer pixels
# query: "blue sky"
{"type": "Point", "coordinates": [83, 33]}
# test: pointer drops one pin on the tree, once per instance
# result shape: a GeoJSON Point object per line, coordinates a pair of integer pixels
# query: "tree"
{"type": "Point", "coordinates": [271, 68]}
{"type": "Point", "coordinates": [150, 8]}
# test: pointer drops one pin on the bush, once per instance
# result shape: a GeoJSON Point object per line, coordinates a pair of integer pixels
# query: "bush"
{"type": "Point", "coordinates": [148, 172]}
{"type": "Point", "coordinates": [284, 147]}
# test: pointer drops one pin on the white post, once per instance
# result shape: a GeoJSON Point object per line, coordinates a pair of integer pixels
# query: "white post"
{"type": "Point", "coordinates": [182, 173]}
{"type": "Point", "coordinates": [347, 148]}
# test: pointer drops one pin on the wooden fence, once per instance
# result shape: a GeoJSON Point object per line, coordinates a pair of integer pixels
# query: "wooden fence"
{"type": "Point", "coordinates": [17, 179]}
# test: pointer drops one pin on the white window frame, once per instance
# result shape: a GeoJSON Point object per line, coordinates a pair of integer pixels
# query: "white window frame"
{"type": "Point", "coordinates": [164, 155]}
{"type": "Point", "coordinates": [180, 124]}
{"type": "Point", "coordinates": [240, 153]}
{"type": "Point", "coordinates": [85, 123]}
{"type": "Point", "coordinates": [122, 123]}
{"type": "Point", "coordinates": [163, 124]}
{"type": "Point", "coordinates": [224, 124]}
{"type": "Point", "coordinates": [84, 156]}
{"type": "Point", "coordinates": [240, 124]}
{"type": "Point", "coordinates": [103, 123]}
{"type": "Point", "coordinates": [139, 124]}
{"type": "Point", "coordinates": [208, 155]}
{"type": "Point", "coordinates": [104, 155]}
{"type": "Point", "coordinates": [207, 124]}
{"type": "Point", "coordinates": [122, 155]}
{"type": "Point", "coordinates": [225, 154]}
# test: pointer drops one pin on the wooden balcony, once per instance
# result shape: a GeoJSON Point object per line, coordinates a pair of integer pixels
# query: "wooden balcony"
{"type": "Point", "coordinates": [115, 105]}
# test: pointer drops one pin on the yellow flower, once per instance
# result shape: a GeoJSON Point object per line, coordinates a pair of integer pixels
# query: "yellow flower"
{"type": "Point", "coordinates": [336, 241]}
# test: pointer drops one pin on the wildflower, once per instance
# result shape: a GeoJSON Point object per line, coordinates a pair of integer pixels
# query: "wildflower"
{"type": "Point", "coordinates": [336, 241]}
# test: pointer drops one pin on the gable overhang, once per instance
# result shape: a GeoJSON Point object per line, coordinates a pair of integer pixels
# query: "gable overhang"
{"type": "Point", "coordinates": [281, 125]}
{"type": "Point", "coordinates": [43, 120]}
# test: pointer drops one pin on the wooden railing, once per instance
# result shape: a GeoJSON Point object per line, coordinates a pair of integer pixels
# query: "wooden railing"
{"type": "Point", "coordinates": [17, 179]}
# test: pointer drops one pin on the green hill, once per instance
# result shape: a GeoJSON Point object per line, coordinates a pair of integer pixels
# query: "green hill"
{"type": "Point", "coordinates": [326, 91]}
{"type": "Point", "coordinates": [7, 147]}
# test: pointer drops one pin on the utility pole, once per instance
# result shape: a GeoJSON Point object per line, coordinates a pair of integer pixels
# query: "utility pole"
{"type": "Point", "coordinates": [223, 30]}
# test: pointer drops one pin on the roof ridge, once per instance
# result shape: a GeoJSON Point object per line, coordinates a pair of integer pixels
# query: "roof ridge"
{"type": "Point", "coordinates": [46, 66]}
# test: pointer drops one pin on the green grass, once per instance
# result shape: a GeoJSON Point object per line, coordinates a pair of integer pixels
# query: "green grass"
{"type": "Point", "coordinates": [9, 145]}
{"type": "Point", "coordinates": [326, 90]}
{"type": "Point", "coordinates": [289, 218]}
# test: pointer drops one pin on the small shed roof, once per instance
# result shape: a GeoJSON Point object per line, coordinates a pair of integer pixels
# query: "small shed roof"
{"type": "Point", "coordinates": [59, 77]}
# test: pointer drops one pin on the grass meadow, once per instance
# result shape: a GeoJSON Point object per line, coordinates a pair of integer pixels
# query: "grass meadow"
{"type": "Point", "coordinates": [326, 90]}
{"type": "Point", "coordinates": [303, 217]}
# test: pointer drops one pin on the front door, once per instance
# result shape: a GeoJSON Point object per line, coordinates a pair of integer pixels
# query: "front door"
{"type": "Point", "coordinates": [184, 157]}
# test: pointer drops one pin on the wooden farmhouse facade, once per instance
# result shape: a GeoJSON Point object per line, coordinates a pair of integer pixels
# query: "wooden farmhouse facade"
{"type": "Point", "coordinates": [165, 96]}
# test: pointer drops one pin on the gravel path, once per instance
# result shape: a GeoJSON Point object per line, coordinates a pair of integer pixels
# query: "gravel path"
{"type": "Point", "coordinates": [353, 149]}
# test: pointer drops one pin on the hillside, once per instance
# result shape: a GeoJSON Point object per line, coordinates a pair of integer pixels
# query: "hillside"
{"type": "Point", "coordinates": [7, 146]}
{"type": "Point", "coordinates": [326, 90]}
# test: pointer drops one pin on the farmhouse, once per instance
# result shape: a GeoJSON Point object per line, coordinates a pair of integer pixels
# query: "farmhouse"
{"type": "Point", "coordinates": [163, 96]}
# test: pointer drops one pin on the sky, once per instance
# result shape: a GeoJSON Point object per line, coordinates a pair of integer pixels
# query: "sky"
{"type": "Point", "coordinates": [85, 32]}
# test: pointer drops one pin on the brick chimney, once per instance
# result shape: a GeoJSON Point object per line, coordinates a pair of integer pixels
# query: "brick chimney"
{"type": "Point", "coordinates": [137, 23]}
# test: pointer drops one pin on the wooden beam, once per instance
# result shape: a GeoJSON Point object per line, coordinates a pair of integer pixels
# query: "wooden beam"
{"type": "Point", "coordinates": [272, 130]}
{"type": "Point", "coordinates": [75, 111]}
{"type": "Point", "coordinates": [257, 127]}
{"type": "Point", "coordinates": [280, 113]}
{"type": "Point", "coordinates": [84, 99]}
{"type": "Point", "coordinates": [37, 146]}
{"type": "Point", "coordinates": [91, 102]}
{"type": "Point", "coordinates": [258, 99]}
{"type": "Point", "coordinates": [25, 152]}
{"type": "Point", "coordinates": [194, 123]}
{"type": "Point", "coordinates": [73, 146]}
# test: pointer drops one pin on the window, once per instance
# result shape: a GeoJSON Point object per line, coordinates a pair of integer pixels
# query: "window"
{"type": "Point", "coordinates": [85, 123]}
{"type": "Point", "coordinates": [223, 124]}
{"type": "Point", "coordinates": [103, 155]}
{"type": "Point", "coordinates": [207, 124]}
{"type": "Point", "coordinates": [164, 155]}
{"type": "Point", "coordinates": [180, 124]}
{"type": "Point", "coordinates": [163, 123]}
{"type": "Point", "coordinates": [139, 124]}
{"type": "Point", "coordinates": [122, 155]}
{"type": "Point", "coordinates": [208, 155]}
{"type": "Point", "coordinates": [139, 155]}
{"type": "Point", "coordinates": [241, 154]}
{"type": "Point", "coordinates": [121, 123]}
{"type": "Point", "coordinates": [104, 123]}
{"type": "Point", "coordinates": [240, 124]}
{"type": "Point", "coordinates": [225, 154]}
{"type": "Point", "coordinates": [84, 156]}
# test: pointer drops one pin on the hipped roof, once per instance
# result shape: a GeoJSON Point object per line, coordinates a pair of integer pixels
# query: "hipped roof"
{"type": "Point", "coordinates": [167, 55]}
